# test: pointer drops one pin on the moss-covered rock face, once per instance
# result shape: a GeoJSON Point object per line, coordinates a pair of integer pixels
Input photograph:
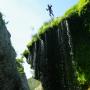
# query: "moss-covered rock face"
{"type": "Point", "coordinates": [78, 18]}
{"type": "Point", "coordinates": [80, 29]}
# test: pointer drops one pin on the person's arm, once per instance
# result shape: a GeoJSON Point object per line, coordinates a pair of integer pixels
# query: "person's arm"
{"type": "Point", "coordinates": [46, 9]}
{"type": "Point", "coordinates": [50, 5]}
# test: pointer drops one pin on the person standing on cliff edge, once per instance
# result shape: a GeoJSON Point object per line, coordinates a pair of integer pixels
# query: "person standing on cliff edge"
{"type": "Point", "coordinates": [50, 11]}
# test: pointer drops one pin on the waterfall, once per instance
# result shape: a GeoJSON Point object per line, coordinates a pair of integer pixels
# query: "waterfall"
{"type": "Point", "coordinates": [46, 49]}
{"type": "Point", "coordinates": [71, 53]}
{"type": "Point", "coordinates": [61, 50]}
{"type": "Point", "coordinates": [42, 54]}
{"type": "Point", "coordinates": [65, 56]}
{"type": "Point", "coordinates": [42, 60]}
{"type": "Point", "coordinates": [58, 58]}
{"type": "Point", "coordinates": [42, 46]}
{"type": "Point", "coordinates": [69, 38]}
{"type": "Point", "coordinates": [64, 39]}
{"type": "Point", "coordinates": [34, 59]}
{"type": "Point", "coordinates": [70, 43]}
{"type": "Point", "coordinates": [29, 59]}
{"type": "Point", "coordinates": [34, 56]}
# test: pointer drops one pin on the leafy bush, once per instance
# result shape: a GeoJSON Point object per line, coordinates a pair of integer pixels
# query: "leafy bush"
{"type": "Point", "coordinates": [26, 53]}
{"type": "Point", "coordinates": [20, 68]}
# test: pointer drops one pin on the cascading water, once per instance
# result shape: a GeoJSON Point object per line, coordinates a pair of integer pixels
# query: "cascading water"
{"type": "Point", "coordinates": [34, 60]}
{"type": "Point", "coordinates": [61, 49]}
{"type": "Point", "coordinates": [29, 59]}
{"type": "Point", "coordinates": [53, 58]}
{"type": "Point", "coordinates": [43, 61]}
{"type": "Point", "coordinates": [64, 39]}
{"type": "Point", "coordinates": [70, 85]}
{"type": "Point", "coordinates": [34, 56]}
{"type": "Point", "coordinates": [72, 57]}
{"type": "Point", "coordinates": [42, 53]}
{"type": "Point", "coordinates": [46, 48]}
{"type": "Point", "coordinates": [69, 39]}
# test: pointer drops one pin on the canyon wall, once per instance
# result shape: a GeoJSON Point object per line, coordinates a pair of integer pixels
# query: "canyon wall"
{"type": "Point", "coordinates": [59, 53]}
{"type": "Point", "coordinates": [9, 76]}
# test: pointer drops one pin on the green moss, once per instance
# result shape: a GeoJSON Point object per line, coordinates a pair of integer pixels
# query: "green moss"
{"type": "Point", "coordinates": [26, 53]}
{"type": "Point", "coordinates": [51, 24]}
{"type": "Point", "coordinates": [82, 57]}
{"type": "Point", "coordinates": [81, 77]}
{"type": "Point", "coordinates": [72, 11]}
{"type": "Point", "coordinates": [82, 3]}
{"type": "Point", "coordinates": [78, 9]}
{"type": "Point", "coordinates": [79, 17]}
{"type": "Point", "coordinates": [48, 25]}
{"type": "Point", "coordinates": [34, 39]}
{"type": "Point", "coordinates": [20, 68]}
{"type": "Point", "coordinates": [43, 29]}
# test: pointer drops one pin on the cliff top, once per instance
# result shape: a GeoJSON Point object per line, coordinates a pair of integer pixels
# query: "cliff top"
{"type": "Point", "coordinates": [78, 10]}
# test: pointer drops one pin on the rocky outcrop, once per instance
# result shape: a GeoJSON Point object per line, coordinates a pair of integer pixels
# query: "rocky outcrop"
{"type": "Point", "coordinates": [9, 77]}
{"type": "Point", "coordinates": [59, 53]}
{"type": "Point", "coordinates": [34, 84]}
{"type": "Point", "coordinates": [52, 59]}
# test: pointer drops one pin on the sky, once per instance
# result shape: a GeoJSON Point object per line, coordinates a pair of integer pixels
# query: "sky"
{"type": "Point", "coordinates": [25, 17]}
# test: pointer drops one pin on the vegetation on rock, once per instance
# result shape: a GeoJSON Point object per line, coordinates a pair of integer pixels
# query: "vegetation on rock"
{"type": "Point", "coordinates": [79, 22]}
{"type": "Point", "coordinates": [20, 68]}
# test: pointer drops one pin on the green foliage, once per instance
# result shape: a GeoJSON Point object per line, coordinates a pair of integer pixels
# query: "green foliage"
{"type": "Point", "coordinates": [82, 3]}
{"type": "Point", "coordinates": [81, 41]}
{"type": "Point", "coordinates": [43, 29]}
{"type": "Point", "coordinates": [79, 16]}
{"type": "Point", "coordinates": [20, 68]}
{"type": "Point", "coordinates": [19, 60]}
{"type": "Point", "coordinates": [83, 7]}
{"type": "Point", "coordinates": [82, 56]}
{"type": "Point", "coordinates": [81, 77]}
{"type": "Point", "coordinates": [78, 9]}
{"type": "Point", "coordinates": [48, 25]}
{"type": "Point", "coordinates": [72, 11]}
{"type": "Point", "coordinates": [34, 39]}
{"type": "Point", "coordinates": [26, 53]}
